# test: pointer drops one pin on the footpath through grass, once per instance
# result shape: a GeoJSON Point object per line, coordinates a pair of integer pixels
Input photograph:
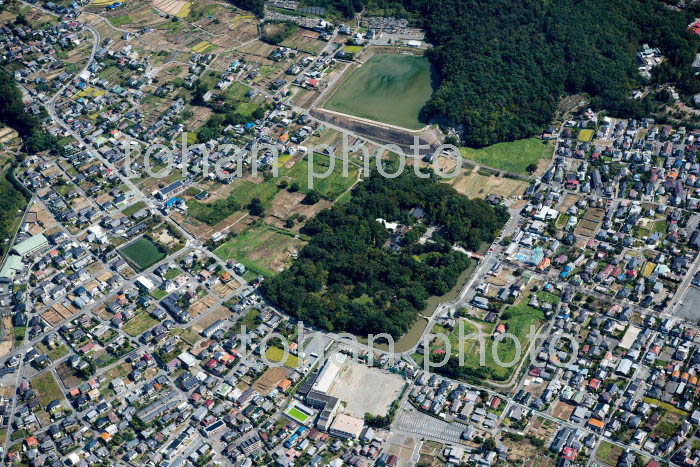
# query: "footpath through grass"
{"type": "Point", "coordinates": [513, 157]}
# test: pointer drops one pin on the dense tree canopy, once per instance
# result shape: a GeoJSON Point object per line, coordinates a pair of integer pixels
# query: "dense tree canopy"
{"type": "Point", "coordinates": [14, 114]}
{"type": "Point", "coordinates": [347, 279]}
{"type": "Point", "coordinates": [504, 64]}
{"type": "Point", "coordinates": [257, 7]}
{"type": "Point", "coordinates": [12, 201]}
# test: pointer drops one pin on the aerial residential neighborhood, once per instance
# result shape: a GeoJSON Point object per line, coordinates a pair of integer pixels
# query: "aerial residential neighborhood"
{"type": "Point", "coordinates": [210, 256]}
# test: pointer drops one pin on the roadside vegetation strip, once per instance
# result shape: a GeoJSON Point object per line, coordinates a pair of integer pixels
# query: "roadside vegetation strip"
{"type": "Point", "coordinates": [514, 156]}
{"type": "Point", "coordinates": [666, 406]}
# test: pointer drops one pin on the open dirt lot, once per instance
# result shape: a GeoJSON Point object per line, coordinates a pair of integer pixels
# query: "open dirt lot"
{"type": "Point", "coordinates": [68, 375]}
{"type": "Point", "coordinates": [563, 410]}
{"type": "Point", "coordinates": [475, 185]}
{"type": "Point", "coordinates": [270, 379]}
{"type": "Point", "coordinates": [403, 447]}
{"type": "Point", "coordinates": [58, 313]}
{"type": "Point", "coordinates": [305, 97]}
{"type": "Point", "coordinates": [285, 204]}
{"type": "Point", "coordinates": [569, 200]}
{"type": "Point", "coordinates": [352, 388]}
{"type": "Point", "coordinates": [202, 305]}
{"type": "Point", "coordinates": [211, 318]}
{"type": "Point", "coordinates": [526, 454]}
{"type": "Point", "coordinates": [224, 290]}
{"type": "Point", "coordinates": [591, 222]}
{"type": "Point", "coordinates": [542, 429]}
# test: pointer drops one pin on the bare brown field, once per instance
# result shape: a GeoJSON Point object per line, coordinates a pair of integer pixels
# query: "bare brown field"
{"type": "Point", "coordinates": [68, 376]}
{"type": "Point", "coordinates": [202, 305]}
{"type": "Point", "coordinates": [285, 204]}
{"type": "Point", "coordinates": [270, 379]}
{"type": "Point", "coordinates": [211, 318]}
{"type": "Point", "coordinates": [223, 290]}
{"type": "Point", "coordinates": [475, 185]}
{"type": "Point", "coordinates": [171, 7]}
{"type": "Point", "coordinates": [306, 98]}
{"type": "Point", "coordinates": [526, 454]}
{"type": "Point", "coordinates": [563, 410]}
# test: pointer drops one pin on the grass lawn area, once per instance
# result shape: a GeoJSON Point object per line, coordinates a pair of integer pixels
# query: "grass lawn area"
{"type": "Point", "coordinates": [187, 334]}
{"type": "Point", "coordinates": [660, 227]}
{"type": "Point", "coordinates": [608, 453]}
{"type": "Point", "coordinates": [131, 209]}
{"type": "Point", "coordinates": [353, 49]}
{"type": "Point", "coordinates": [64, 189]}
{"type": "Point", "coordinates": [275, 354]}
{"type": "Point", "coordinates": [139, 324]}
{"type": "Point", "coordinates": [586, 135]}
{"type": "Point", "coordinates": [121, 20]}
{"type": "Point", "coordinates": [19, 434]}
{"type": "Point", "coordinates": [520, 318]}
{"type": "Point", "coordinates": [159, 294]}
{"type": "Point", "coordinates": [55, 353]}
{"type": "Point", "coordinates": [548, 297]}
{"type": "Point", "coordinates": [668, 425]}
{"type": "Point", "coordinates": [172, 273]}
{"type": "Point", "coordinates": [256, 248]}
{"type": "Point", "coordinates": [250, 320]}
{"type": "Point", "coordinates": [331, 187]}
{"type": "Point", "coordinates": [244, 190]}
{"type": "Point", "coordinates": [143, 253]}
{"type": "Point", "coordinates": [513, 157]}
{"type": "Point", "coordinates": [47, 388]}
{"type": "Point", "coordinates": [19, 333]}
{"type": "Point", "coordinates": [297, 415]}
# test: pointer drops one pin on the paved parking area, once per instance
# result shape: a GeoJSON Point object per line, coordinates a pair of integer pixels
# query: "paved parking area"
{"type": "Point", "coordinates": [412, 421]}
{"type": "Point", "coordinates": [688, 309]}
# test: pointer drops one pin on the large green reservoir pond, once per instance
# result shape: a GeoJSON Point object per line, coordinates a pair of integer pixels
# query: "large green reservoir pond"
{"type": "Point", "coordinates": [388, 88]}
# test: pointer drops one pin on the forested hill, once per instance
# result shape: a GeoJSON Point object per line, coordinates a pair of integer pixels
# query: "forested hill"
{"type": "Point", "coordinates": [504, 64]}
{"type": "Point", "coordinates": [348, 279]}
